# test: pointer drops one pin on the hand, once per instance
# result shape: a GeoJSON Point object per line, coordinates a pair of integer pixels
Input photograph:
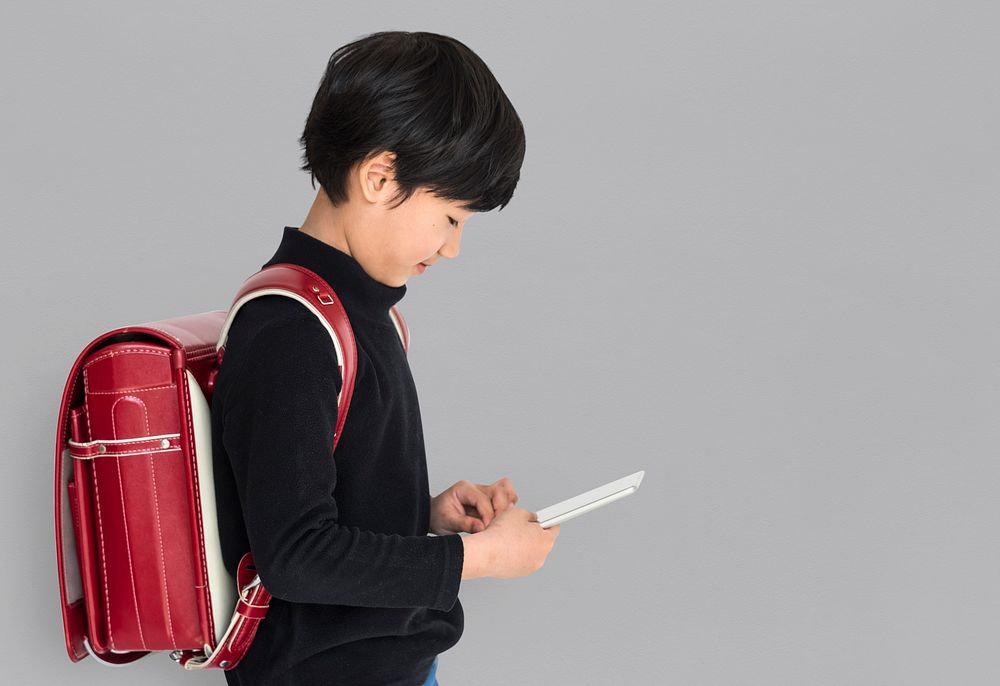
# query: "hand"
{"type": "Point", "coordinates": [470, 507]}
{"type": "Point", "coordinates": [514, 545]}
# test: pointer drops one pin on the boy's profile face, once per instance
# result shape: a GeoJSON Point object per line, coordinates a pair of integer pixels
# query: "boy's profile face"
{"type": "Point", "coordinates": [391, 244]}
{"type": "Point", "coordinates": [395, 244]}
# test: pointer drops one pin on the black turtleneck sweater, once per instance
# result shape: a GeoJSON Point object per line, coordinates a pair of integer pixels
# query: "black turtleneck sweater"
{"type": "Point", "coordinates": [362, 595]}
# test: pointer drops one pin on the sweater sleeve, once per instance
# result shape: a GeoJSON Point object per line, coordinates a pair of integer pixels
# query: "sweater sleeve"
{"type": "Point", "coordinates": [278, 430]}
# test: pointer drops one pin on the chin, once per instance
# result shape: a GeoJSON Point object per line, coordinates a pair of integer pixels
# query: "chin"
{"type": "Point", "coordinates": [395, 283]}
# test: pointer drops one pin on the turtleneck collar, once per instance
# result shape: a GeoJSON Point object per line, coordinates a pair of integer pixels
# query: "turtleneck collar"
{"type": "Point", "coordinates": [345, 275]}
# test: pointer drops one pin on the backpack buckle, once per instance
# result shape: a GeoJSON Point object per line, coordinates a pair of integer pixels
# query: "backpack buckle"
{"type": "Point", "coordinates": [324, 298]}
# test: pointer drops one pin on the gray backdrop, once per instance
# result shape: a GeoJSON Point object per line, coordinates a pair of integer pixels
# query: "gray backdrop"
{"type": "Point", "coordinates": [753, 252]}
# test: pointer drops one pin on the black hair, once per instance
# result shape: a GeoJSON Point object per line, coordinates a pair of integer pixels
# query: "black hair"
{"type": "Point", "coordinates": [430, 100]}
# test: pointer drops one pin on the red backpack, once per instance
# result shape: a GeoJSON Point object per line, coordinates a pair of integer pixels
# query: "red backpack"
{"type": "Point", "coordinates": [137, 541]}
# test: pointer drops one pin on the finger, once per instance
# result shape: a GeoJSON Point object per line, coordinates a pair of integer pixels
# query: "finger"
{"type": "Point", "coordinates": [507, 487]}
{"type": "Point", "coordinates": [483, 505]}
{"type": "Point", "coordinates": [498, 511]}
{"type": "Point", "coordinates": [473, 500]}
{"type": "Point", "coordinates": [500, 500]}
{"type": "Point", "coordinates": [472, 525]}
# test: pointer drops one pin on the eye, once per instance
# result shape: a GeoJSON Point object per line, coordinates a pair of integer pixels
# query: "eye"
{"type": "Point", "coordinates": [453, 222]}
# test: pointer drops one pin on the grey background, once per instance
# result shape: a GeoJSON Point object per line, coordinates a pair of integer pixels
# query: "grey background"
{"type": "Point", "coordinates": [753, 252]}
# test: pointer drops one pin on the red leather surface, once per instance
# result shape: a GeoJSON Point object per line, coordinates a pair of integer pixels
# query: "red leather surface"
{"type": "Point", "coordinates": [131, 490]}
{"type": "Point", "coordinates": [120, 389]}
{"type": "Point", "coordinates": [141, 500]}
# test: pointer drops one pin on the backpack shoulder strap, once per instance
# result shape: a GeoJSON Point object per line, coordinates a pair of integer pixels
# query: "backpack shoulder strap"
{"type": "Point", "coordinates": [304, 285]}
{"type": "Point", "coordinates": [311, 290]}
{"type": "Point", "coordinates": [308, 288]}
{"type": "Point", "coordinates": [401, 328]}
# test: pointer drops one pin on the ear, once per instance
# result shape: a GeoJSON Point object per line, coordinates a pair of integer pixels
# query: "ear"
{"type": "Point", "coordinates": [376, 175]}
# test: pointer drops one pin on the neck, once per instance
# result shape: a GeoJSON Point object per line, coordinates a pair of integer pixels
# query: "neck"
{"type": "Point", "coordinates": [327, 223]}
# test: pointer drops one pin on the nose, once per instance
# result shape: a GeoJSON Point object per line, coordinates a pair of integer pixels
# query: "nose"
{"type": "Point", "coordinates": [453, 245]}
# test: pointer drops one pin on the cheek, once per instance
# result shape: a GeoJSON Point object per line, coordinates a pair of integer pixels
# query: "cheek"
{"type": "Point", "coordinates": [428, 243]}
{"type": "Point", "coordinates": [411, 249]}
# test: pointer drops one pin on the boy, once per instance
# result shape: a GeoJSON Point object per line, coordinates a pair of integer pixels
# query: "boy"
{"type": "Point", "coordinates": [409, 134]}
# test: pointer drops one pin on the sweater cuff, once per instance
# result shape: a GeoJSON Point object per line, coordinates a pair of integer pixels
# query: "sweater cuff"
{"type": "Point", "coordinates": [454, 561]}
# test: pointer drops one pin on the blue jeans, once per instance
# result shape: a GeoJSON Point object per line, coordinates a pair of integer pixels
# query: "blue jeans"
{"type": "Point", "coordinates": [431, 678]}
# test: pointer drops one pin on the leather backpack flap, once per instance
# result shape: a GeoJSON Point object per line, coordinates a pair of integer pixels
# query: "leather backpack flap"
{"type": "Point", "coordinates": [67, 515]}
{"type": "Point", "coordinates": [185, 350]}
{"type": "Point", "coordinates": [196, 346]}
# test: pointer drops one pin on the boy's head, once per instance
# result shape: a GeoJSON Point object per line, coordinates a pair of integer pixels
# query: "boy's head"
{"type": "Point", "coordinates": [409, 134]}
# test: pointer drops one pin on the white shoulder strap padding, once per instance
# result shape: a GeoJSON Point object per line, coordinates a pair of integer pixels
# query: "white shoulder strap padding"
{"type": "Point", "coordinates": [290, 294]}
{"type": "Point", "coordinates": [399, 328]}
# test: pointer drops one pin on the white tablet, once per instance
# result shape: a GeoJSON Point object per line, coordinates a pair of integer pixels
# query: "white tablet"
{"type": "Point", "coordinates": [591, 500]}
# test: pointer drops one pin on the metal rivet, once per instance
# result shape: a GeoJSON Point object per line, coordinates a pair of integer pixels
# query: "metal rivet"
{"type": "Point", "coordinates": [315, 289]}
{"type": "Point", "coordinates": [224, 664]}
{"type": "Point", "coordinates": [101, 448]}
{"type": "Point", "coordinates": [164, 443]}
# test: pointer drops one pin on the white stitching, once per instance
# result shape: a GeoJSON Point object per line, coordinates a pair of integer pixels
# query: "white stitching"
{"type": "Point", "coordinates": [69, 403]}
{"type": "Point", "coordinates": [163, 559]}
{"type": "Point", "coordinates": [83, 450]}
{"type": "Point", "coordinates": [104, 564]}
{"type": "Point", "coordinates": [86, 404]}
{"type": "Point", "coordinates": [124, 453]}
{"type": "Point", "coordinates": [125, 351]}
{"type": "Point", "coordinates": [127, 390]}
{"type": "Point", "coordinates": [123, 441]}
{"type": "Point", "coordinates": [128, 551]}
{"type": "Point", "coordinates": [121, 489]}
{"type": "Point", "coordinates": [237, 633]}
